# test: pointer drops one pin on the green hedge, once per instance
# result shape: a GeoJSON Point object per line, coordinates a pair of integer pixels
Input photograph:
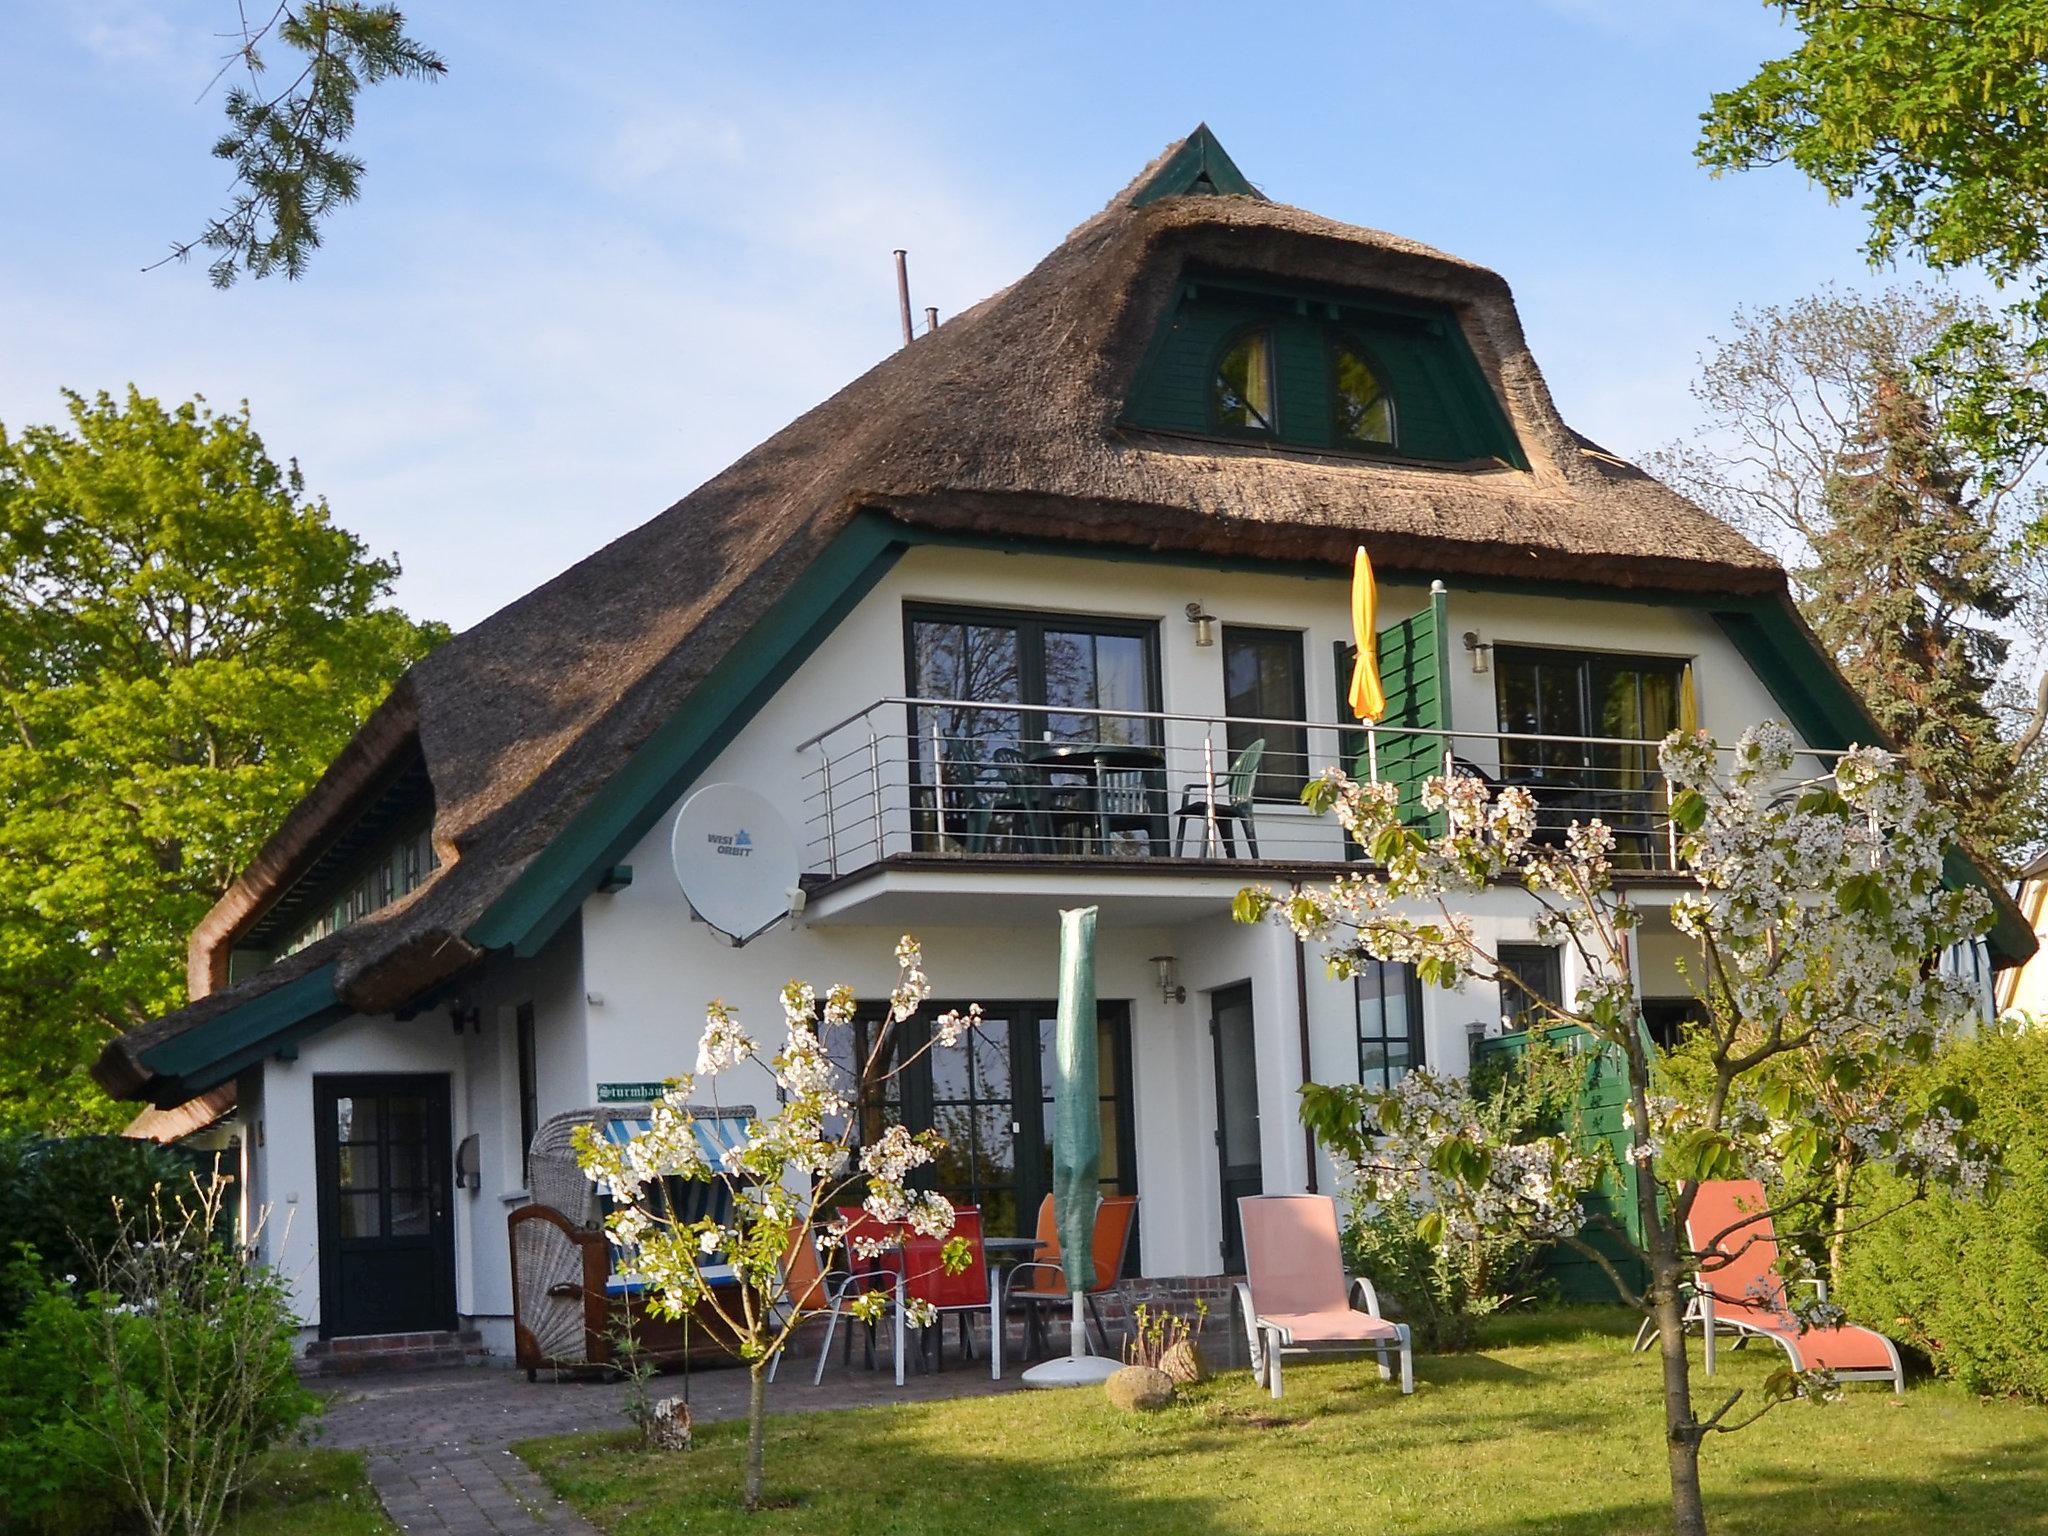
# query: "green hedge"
{"type": "Point", "coordinates": [1966, 1283]}
{"type": "Point", "coordinates": [58, 1194]}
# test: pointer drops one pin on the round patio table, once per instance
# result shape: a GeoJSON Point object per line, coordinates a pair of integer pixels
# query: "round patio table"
{"type": "Point", "coordinates": [1093, 759]}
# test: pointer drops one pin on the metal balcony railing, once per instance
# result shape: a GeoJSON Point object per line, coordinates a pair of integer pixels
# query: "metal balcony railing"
{"type": "Point", "coordinates": [1000, 782]}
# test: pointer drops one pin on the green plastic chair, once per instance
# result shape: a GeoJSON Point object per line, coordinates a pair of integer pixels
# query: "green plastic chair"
{"type": "Point", "coordinates": [1231, 794]}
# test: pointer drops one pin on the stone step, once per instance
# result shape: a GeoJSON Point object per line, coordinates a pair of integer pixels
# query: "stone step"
{"type": "Point", "coordinates": [392, 1352]}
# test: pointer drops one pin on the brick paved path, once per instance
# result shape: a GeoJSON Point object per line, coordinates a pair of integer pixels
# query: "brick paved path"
{"type": "Point", "coordinates": [437, 1440]}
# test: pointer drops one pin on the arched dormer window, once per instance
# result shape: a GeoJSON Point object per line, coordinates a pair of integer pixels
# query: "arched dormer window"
{"type": "Point", "coordinates": [1241, 394]}
{"type": "Point", "coordinates": [1363, 408]}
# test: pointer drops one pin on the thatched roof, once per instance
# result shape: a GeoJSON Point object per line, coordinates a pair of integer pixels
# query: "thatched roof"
{"type": "Point", "coordinates": [1002, 422]}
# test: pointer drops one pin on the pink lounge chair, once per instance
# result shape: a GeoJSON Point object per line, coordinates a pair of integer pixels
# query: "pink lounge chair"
{"type": "Point", "coordinates": [1745, 1295]}
{"type": "Point", "coordinates": [1294, 1299]}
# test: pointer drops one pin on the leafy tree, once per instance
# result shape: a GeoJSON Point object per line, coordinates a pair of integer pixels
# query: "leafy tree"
{"type": "Point", "coordinates": [291, 171]}
{"type": "Point", "coordinates": [1908, 586]}
{"type": "Point", "coordinates": [1818, 912]}
{"type": "Point", "coordinates": [1933, 114]}
{"type": "Point", "coordinates": [186, 640]}
{"type": "Point", "coordinates": [1824, 439]}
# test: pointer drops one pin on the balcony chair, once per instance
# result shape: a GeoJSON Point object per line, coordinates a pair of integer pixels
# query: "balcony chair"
{"type": "Point", "coordinates": [1015, 797]}
{"type": "Point", "coordinates": [1294, 1300]}
{"type": "Point", "coordinates": [1744, 1295]}
{"type": "Point", "coordinates": [1230, 796]}
{"type": "Point", "coordinates": [1040, 1287]}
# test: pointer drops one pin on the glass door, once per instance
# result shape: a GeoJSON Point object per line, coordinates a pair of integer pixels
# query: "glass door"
{"type": "Point", "coordinates": [990, 1098]}
{"type": "Point", "coordinates": [387, 1252]}
{"type": "Point", "coordinates": [1239, 1171]}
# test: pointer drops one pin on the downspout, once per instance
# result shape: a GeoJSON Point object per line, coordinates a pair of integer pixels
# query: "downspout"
{"type": "Point", "coordinates": [1308, 1137]}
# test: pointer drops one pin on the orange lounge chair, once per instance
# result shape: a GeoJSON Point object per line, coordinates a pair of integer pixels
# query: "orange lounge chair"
{"type": "Point", "coordinates": [1743, 1293]}
{"type": "Point", "coordinates": [1294, 1299]}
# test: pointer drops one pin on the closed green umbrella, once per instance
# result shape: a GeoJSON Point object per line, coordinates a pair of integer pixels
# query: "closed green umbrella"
{"type": "Point", "coordinates": [1076, 1144]}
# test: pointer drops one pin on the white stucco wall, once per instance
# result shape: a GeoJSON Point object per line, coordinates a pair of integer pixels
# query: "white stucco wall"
{"type": "Point", "coordinates": [620, 997]}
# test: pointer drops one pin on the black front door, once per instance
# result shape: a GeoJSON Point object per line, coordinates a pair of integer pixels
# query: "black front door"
{"type": "Point", "coordinates": [387, 1239]}
{"type": "Point", "coordinates": [1237, 1111]}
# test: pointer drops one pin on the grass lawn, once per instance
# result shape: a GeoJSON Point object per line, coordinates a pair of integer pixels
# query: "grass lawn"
{"type": "Point", "coordinates": [1553, 1427]}
{"type": "Point", "coordinates": [309, 1493]}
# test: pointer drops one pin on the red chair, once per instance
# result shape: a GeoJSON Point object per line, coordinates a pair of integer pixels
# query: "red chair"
{"type": "Point", "coordinates": [964, 1294]}
{"type": "Point", "coordinates": [1739, 1290]}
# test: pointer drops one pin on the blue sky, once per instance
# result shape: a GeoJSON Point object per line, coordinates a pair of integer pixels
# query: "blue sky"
{"type": "Point", "coordinates": [618, 245]}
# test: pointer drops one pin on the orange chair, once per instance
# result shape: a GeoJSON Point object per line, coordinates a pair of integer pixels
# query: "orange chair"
{"type": "Point", "coordinates": [1041, 1285]}
{"type": "Point", "coordinates": [1738, 1290]}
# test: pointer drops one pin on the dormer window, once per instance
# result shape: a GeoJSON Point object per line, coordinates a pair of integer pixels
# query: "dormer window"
{"type": "Point", "coordinates": [1365, 412]}
{"type": "Point", "coordinates": [1361, 374]}
{"type": "Point", "coordinates": [1241, 397]}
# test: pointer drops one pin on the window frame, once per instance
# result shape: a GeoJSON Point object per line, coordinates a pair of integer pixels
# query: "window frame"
{"type": "Point", "coordinates": [1296, 642]}
{"type": "Point", "coordinates": [1031, 656]}
{"type": "Point", "coordinates": [1336, 335]}
{"type": "Point", "coordinates": [1411, 981]}
{"type": "Point", "coordinates": [1275, 431]}
{"type": "Point", "coordinates": [1552, 960]}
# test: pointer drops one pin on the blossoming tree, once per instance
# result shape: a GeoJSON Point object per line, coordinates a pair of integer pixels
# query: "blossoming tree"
{"type": "Point", "coordinates": [1818, 916]}
{"type": "Point", "coordinates": [784, 1181]}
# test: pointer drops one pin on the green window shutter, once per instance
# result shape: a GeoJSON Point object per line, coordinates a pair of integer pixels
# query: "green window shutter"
{"type": "Point", "coordinates": [1414, 672]}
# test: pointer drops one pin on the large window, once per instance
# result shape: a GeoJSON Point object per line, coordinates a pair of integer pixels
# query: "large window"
{"type": "Point", "coordinates": [991, 1099]}
{"type": "Point", "coordinates": [1389, 1022]}
{"type": "Point", "coordinates": [1631, 702]}
{"type": "Point", "coordinates": [1263, 680]}
{"type": "Point", "coordinates": [1015, 681]}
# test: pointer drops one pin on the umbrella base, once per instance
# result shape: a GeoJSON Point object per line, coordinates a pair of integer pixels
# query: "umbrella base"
{"type": "Point", "coordinates": [1071, 1371]}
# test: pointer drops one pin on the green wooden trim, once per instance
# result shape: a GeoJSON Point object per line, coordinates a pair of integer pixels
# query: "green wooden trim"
{"type": "Point", "coordinates": [551, 888]}
{"type": "Point", "coordinates": [1199, 156]}
{"type": "Point", "coordinates": [1440, 617]}
{"type": "Point", "coordinates": [210, 1052]}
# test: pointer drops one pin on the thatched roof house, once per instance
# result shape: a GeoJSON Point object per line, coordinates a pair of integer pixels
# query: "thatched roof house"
{"type": "Point", "coordinates": [545, 734]}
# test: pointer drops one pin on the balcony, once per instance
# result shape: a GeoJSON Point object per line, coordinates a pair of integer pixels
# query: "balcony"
{"type": "Point", "coordinates": [926, 782]}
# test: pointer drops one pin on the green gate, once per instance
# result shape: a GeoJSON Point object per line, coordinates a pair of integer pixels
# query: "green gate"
{"type": "Point", "coordinates": [1600, 1120]}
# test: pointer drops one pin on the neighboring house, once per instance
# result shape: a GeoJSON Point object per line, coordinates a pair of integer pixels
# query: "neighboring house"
{"type": "Point", "coordinates": [1116, 503]}
{"type": "Point", "coordinates": [2023, 989]}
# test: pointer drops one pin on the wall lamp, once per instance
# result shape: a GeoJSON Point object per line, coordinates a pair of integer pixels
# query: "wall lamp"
{"type": "Point", "coordinates": [1479, 650]}
{"type": "Point", "coordinates": [1170, 990]}
{"type": "Point", "coordinates": [470, 1019]}
{"type": "Point", "coordinates": [1205, 624]}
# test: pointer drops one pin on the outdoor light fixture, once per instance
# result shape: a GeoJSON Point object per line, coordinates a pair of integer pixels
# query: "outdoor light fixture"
{"type": "Point", "coordinates": [1205, 624]}
{"type": "Point", "coordinates": [1477, 649]}
{"type": "Point", "coordinates": [1169, 990]}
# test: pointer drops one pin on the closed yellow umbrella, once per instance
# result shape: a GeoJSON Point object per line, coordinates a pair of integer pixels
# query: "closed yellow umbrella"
{"type": "Point", "coordinates": [1367, 699]}
{"type": "Point", "coordinates": [1688, 705]}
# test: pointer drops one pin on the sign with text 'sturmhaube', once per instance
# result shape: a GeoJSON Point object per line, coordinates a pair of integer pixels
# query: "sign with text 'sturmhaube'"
{"type": "Point", "coordinates": [736, 860]}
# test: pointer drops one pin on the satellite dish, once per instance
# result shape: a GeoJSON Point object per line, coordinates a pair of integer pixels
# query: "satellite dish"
{"type": "Point", "coordinates": [736, 860]}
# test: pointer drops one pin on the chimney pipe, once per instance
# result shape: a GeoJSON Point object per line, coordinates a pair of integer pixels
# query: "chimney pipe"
{"type": "Point", "coordinates": [903, 295]}
{"type": "Point", "coordinates": [931, 319]}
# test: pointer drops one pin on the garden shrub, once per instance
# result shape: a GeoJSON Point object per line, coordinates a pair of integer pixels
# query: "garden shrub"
{"type": "Point", "coordinates": [140, 1394]}
{"type": "Point", "coordinates": [58, 1195]}
{"type": "Point", "coordinates": [1442, 1290]}
{"type": "Point", "coordinates": [1966, 1282]}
